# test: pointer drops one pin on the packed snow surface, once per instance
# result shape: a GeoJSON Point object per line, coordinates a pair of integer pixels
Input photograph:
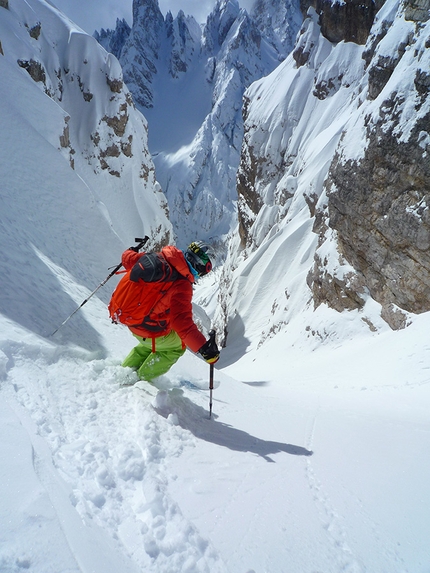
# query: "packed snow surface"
{"type": "Point", "coordinates": [312, 461]}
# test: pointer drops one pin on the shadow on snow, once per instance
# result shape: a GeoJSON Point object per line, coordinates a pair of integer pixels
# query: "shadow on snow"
{"type": "Point", "coordinates": [195, 419]}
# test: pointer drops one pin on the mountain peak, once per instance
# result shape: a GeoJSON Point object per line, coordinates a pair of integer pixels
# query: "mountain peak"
{"type": "Point", "coordinates": [191, 83]}
{"type": "Point", "coordinates": [184, 35]}
{"type": "Point", "coordinates": [146, 9]}
{"type": "Point", "coordinates": [219, 23]}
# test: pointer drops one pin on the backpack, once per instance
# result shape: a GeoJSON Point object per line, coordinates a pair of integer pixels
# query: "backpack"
{"type": "Point", "coordinates": [140, 292]}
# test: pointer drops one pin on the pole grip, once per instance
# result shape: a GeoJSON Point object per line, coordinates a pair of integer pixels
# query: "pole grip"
{"type": "Point", "coordinates": [141, 242]}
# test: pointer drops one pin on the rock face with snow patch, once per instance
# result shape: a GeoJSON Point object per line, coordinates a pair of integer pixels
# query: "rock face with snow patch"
{"type": "Point", "coordinates": [153, 42]}
{"type": "Point", "coordinates": [379, 204]}
{"type": "Point", "coordinates": [103, 137]}
{"type": "Point", "coordinates": [141, 50]}
{"type": "Point", "coordinates": [348, 21]}
{"type": "Point", "coordinates": [182, 42]}
{"type": "Point", "coordinates": [113, 40]}
{"type": "Point", "coordinates": [417, 10]}
{"type": "Point", "coordinates": [341, 131]}
{"type": "Point", "coordinates": [278, 21]}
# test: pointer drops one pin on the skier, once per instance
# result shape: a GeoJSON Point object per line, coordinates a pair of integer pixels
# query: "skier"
{"type": "Point", "coordinates": [163, 321]}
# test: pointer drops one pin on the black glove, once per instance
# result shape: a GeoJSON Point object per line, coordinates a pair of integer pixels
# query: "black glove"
{"type": "Point", "coordinates": [209, 351]}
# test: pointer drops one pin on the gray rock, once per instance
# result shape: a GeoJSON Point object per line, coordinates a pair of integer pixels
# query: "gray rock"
{"type": "Point", "coordinates": [380, 208]}
{"type": "Point", "coordinates": [348, 21]}
{"type": "Point", "coordinates": [417, 10]}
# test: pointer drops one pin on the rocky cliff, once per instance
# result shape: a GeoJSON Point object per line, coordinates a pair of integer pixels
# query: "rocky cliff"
{"type": "Point", "coordinates": [113, 40]}
{"type": "Point", "coordinates": [153, 43]}
{"type": "Point", "coordinates": [339, 136]}
{"type": "Point", "coordinates": [379, 203]}
{"type": "Point", "coordinates": [348, 21]}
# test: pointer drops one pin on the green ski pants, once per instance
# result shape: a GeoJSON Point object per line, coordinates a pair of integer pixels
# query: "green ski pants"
{"type": "Point", "coordinates": [149, 364]}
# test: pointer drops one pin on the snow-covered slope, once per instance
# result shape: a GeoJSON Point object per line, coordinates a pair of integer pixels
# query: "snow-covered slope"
{"type": "Point", "coordinates": [77, 180]}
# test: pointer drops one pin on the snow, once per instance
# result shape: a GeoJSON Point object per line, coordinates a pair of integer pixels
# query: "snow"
{"type": "Point", "coordinates": [312, 459]}
{"type": "Point", "coordinates": [316, 456]}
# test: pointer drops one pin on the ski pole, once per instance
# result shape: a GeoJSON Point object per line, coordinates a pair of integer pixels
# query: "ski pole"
{"type": "Point", "coordinates": [211, 387]}
{"type": "Point", "coordinates": [110, 275]}
{"type": "Point", "coordinates": [211, 374]}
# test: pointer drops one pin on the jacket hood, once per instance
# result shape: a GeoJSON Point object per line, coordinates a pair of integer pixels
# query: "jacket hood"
{"type": "Point", "coordinates": [176, 258]}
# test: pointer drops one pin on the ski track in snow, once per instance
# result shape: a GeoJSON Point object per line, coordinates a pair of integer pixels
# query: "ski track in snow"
{"type": "Point", "coordinates": [343, 558]}
{"type": "Point", "coordinates": [341, 552]}
{"type": "Point", "coordinates": [117, 477]}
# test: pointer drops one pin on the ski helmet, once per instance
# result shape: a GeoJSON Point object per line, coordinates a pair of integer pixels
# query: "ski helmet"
{"type": "Point", "coordinates": [197, 254]}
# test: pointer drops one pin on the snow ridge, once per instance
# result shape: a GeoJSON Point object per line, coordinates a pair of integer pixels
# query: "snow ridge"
{"type": "Point", "coordinates": [89, 167]}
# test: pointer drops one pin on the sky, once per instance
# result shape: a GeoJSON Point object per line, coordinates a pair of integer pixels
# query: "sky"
{"type": "Point", "coordinates": [99, 14]}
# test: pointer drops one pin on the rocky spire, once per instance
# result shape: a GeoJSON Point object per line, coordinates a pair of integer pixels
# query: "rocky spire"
{"type": "Point", "coordinates": [141, 50]}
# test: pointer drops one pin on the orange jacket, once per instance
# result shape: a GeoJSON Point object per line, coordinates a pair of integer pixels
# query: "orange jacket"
{"type": "Point", "coordinates": [175, 306]}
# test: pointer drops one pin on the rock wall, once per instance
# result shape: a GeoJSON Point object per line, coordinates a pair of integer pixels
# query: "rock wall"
{"type": "Point", "coordinates": [417, 10]}
{"type": "Point", "coordinates": [348, 21]}
{"type": "Point", "coordinates": [379, 203]}
{"type": "Point", "coordinates": [380, 208]}
{"type": "Point", "coordinates": [348, 137]}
